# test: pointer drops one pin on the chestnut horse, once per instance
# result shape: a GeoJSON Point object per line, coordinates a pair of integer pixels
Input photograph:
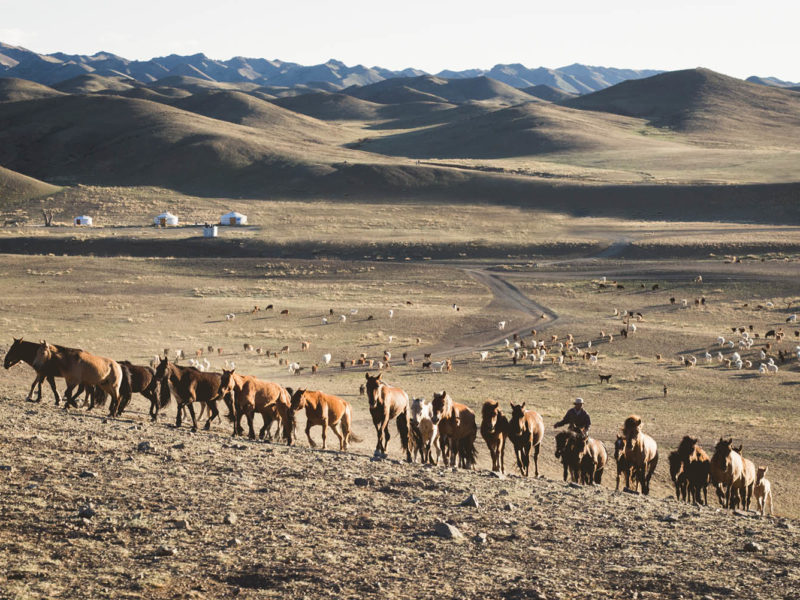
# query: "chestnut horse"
{"type": "Point", "coordinates": [457, 430]}
{"type": "Point", "coordinates": [190, 385]}
{"type": "Point", "coordinates": [525, 430]}
{"type": "Point", "coordinates": [80, 368]}
{"type": "Point", "coordinates": [641, 451]}
{"type": "Point", "coordinates": [250, 396]}
{"type": "Point", "coordinates": [727, 472]}
{"type": "Point", "coordinates": [623, 468]}
{"type": "Point", "coordinates": [592, 456]}
{"type": "Point", "coordinates": [697, 467]}
{"type": "Point", "coordinates": [387, 403]}
{"type": "Point", "coordinates": [494, 431]}
{"type": "Point", "coordinates": [22, 351]}
{"type": "Point", "coordinates": [325, 410]}
{"type": "Point", "coordinates": [748, 480]}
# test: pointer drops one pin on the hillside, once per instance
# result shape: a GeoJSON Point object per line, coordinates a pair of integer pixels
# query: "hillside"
{"type": "Point", "coordinates": [426, 87]}
{"type": "Point", "coordinates": [704, 103]}
{"type": "Point", "coordinates": [15, 187]}
{"type": "Point", "coordinates": [548, 93]}
{"type": "Point", "coordinates": [91, 83]}
{"type": "Point", "coordinates": [331, 107]}
{"type": "Point", "coordinates": [15, 90]}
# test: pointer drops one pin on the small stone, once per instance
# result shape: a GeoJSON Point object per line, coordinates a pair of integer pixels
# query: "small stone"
{"type": "Point", "coordinates": [182, 524]}
{"type": "Point", "coordinates": [144, 446]}
{"type": "Point", "coordinates": [509, 506]}
{"type": "Point", "coordinates": [285, 537]}
{"type": "Point", "coordinates": [234, 542]}
{"type": "Point", "coordinates": [753, 547]}
{"type": "Point", "coordinates": [87, 474]}
{"type": "Point", "coordinates": [669, 519]}
{"type": "Point", "coordinates": [8, 468]}
{"type": "Point", "coordinates": [471, 501]}
{"type": "Point", "coordinates": [361, 481]}
{"type": "Point", "coordinates": [481, 538]}
{"type": "Point", "coordinates": [447, 531]}
{"type": "Point", "coordinates": [230, 519]}
{"type": "Point", "coordinates": [166, 551]}
{"type": "Point", "coordinates": [87, 511]}
{"type": "Point", "coordinates": [179, 446]}
{"type": "Point", "coordinates": [572, 484]}
{"type": "Point", "coordinates": [497, 474]}
{"type": "Point", "coordinates": [502, 493]}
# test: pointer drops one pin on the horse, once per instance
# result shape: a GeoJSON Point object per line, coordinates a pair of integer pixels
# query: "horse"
{"type": "Point", "coordinates": [697, 467]}
{"type": "Point", "coordinates": [387, 403]}
{"type": "Point", "coordinates": [494, 431]}
{"type": "Point", "coordinates": [641, 451]}
{"type": "Point", "coordinates": [250, 396]}
{"type": "Point", "coordinates": [22, 351]}
{"type": "Point", "coordinates": [525, 430]}
{"type": "Point", "coordinates": [727, 471]}
{"type": "Point", "coordinates": [422, 432]}
{"type": "Point", "coordinates": [592, 457]}
{"type": "Point", "coordinates": [748, 480]}
{"type": "Point", "coordinates": [623, 468]}
{"type": "Point", "coordinates": [678, 475]}
{"type": "Point", "coordinates": [190, 385]}
{"type": "Point", "coordinates": [80, 368]}
{"type": "Point", "coordinates": [566, 450]}
{"type": "Point", "coordinates": [136, 380]}
{"type": "Point", "coordinates": [325, 410]}
{"type": "Point", "coordinates": [457, 430]}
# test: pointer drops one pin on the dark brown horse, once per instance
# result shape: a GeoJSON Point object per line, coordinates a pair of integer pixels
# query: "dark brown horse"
{"type": "Point", "coordinates": [727, 472]}
{"type": "Point", "coordinates": [567, 451]}
{"type": "Point", "coordinates": [387, 403]}
{"type": "Point", "coordinates": [592, 457]}
{"type": "Point", "coordinates": [136, 379]}
{"type": "Point", "coordinates": [494, 431]}
{"type": "Point", "coordinates": [697, 467]}
{"type": "Point", "coordinates": [457, 430]}
{"type": "Point", "coordinates": [678, 475]}
{"type": "Point", "coordinates": [22, 351]}
{"type": "Point", "coordinates": [623, 468]}
{"type": "Point", "coordinates": [190, 385]}
{"type": "Point", "coordinates": [525, 430]}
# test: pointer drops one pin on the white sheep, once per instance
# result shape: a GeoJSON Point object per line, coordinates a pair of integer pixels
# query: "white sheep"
{"type": "Point", "coordinates": [735, 356]}
{"type": "Point", "coordinates": [684, 303]}
{"type": "Point", "coordinates": [730, 344]}
{"type": "Point", "coordinates": [762, 369]}
{"type": "Point", "coordinates": [353, 311]}
{"type": "Point", "coordinates": [342, 318]}
{"type": "Point", "coordinates": [633, 328]}
{"type": "Point", "coordinates": [294, 367]}
{"type": "Point", "coordinates": [484, 355]}
{"type": "Point", "coordinates": [391, 313]}
{"type": "Point", "coordinates": [501, 325]}
{"type": "Point", "coordinates": [437, 366]}
{"type": "Point", "coordinates": [507, 343]}
{"type": "Point", "coordinates": [769, 304]}
{"type": "Point", "coordinates": [326, 358]}
{"type": "Point", "coordinates": [324, 320]}
{"type": "Point", "coordinates": [708, 357]}
{"type": "Point", "coordinates": [720, 341]}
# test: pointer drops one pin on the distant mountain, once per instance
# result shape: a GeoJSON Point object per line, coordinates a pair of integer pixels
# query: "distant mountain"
{"type": "Point", "coordinates": [333, 75]}
{"type": "Point", "coordinates": [548, 93]}
{"type": "Point", "coordinates": [437, 89]}
{"type": "Point", "coordinates": [772, 82]}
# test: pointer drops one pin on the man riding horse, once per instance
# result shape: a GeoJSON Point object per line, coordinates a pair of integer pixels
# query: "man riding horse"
{"type": "Point", "coordinates": [577, 418]}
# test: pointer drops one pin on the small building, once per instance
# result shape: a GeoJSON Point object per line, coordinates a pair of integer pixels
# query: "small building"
{"type": "Point", "coordinates": [233, 218]}
{"type": "Point", "coordinates": [166, 219]}
{"type": "Point", "coordinates": [210, 231]}
{"type": "Point", "coordinates": [82, 220]}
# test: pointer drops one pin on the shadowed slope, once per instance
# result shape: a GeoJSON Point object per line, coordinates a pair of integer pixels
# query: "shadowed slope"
{"type": "Point", "coordinates": [15, 187]}
{"type": "Point", "coordinates": [91, 83]}
{"type": "Point", "coordinates": [16, 90]}
{"type": "Point", "coordinates": [427, 87]}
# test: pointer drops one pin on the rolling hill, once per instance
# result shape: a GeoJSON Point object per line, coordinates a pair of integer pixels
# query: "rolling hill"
{"type": "Point", "coordinates": [15, 187]}
{"type": "Point", "coordinates": [16, 90]}
{"type": "Point", "coordinates": [91, 83]}
{"type": "Point", "coordinates": [436, 89]}
{"type": "Point", "coordinates": [548, 93]}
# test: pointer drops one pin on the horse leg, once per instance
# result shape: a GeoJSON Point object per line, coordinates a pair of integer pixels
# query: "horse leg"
{"type": "Point", "coordinates": [212, 407]}
{"type": "Point", "coordinates": [402, 428]}
{"type": "Point", "coordinates": [536, 460]}
{"type": "Point", "coordinates": [37, 380]}
{"type": "Point", "coordinates": [190, 406]}
{"type": "Point", "coordinates": [335, 429]}
{"type": "Point", "coordinates": [250, 417]}
{"type": "Point", "coordinates": [308, 433]}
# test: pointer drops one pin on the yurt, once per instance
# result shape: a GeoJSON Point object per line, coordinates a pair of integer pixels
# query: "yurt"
{"type": "Point", "coordinates": [82, 220]}
{"type": "Point", "coordinates": [166, 219]}
{"type": "Point", "coordinates": [233, 218]}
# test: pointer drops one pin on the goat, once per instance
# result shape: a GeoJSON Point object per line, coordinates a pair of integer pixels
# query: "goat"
{"type": "Point", "coordinates": [304, 346]}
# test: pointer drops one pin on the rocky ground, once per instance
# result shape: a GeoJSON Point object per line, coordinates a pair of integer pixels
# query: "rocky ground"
{"type": "Point", "coordinates": [129, 509]}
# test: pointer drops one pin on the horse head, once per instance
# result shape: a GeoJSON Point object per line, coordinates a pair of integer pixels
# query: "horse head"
{"type": "Point", "coordinates": [373, 384]}
{"type": "Point", "coordinates": [298, 400]}
{"type": "Point", "coordinates": [562, 439]}
{"type": "Point", "coordinates": [162, 370]}
{"type": "Point", "coordinates": [687, 446]}
{"type": "Point", "coordinates": [491, 413]}
{"type": "Point", "coordinates": [517, 413]}
{"type": "Point", "coordinates": [442, 406]}
{"type": "Point", "coordinates": [227, 383]}
{"type": "Point", "coordinates": [13, 354]}
{"type": "Point", "coordinates": [619, 446]}
{"type": "Point", "coordinates": [416, 410]}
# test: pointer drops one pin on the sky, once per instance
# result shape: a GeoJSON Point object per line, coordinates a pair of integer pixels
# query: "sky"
{"type": "Point", "coordinates": [735, 37]}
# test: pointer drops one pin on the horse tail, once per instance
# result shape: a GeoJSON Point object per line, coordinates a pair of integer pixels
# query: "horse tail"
{"type": "Point", "coordinates": [468, 451]}
{"type": "Point", "coordinates": [125, 389]}
{"type": "Point", "coordinates": [349, 420]}
{"type": "Point", "coordinates": [164, 394]}
{"type": "Point", "coordinates": [230, 402]}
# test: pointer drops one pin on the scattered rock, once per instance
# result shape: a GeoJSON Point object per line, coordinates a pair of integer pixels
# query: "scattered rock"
{"type": "Point", "coordinates": [481, 538]}
{"type": "Point", "coordinates": [230, 519]}
{"type": "Point", "coordinates": [87, 474]}
{"type": "Point", "coordinates": [669, 519]}
{"type": "Point", "coordinates": [179, 446]}
{"type": "Point", "coordinates": [234, 542]}
{"type": "Point", "coordinates": [8, 468]}
{"type": "Point", "coordinates": [509, 506]}
{"type": "Point", "coordinates": [753, 547]}
{"type": "Point", "coordinates": [447, 531]}
{"type": "Point", "coordinates": [87, 511]}
{"type": "Point", "coordinates": [497, 475]}
{"type": "Point", "coordinates": [361, 481]}
{"type": "Point", "coordinates": [182, 524]}
{"type": "Point", "coordinates": [502, 493]}
{"type": "Point", "coordinates": [144, 447]}
{"type": "Point", "coordinates": [572, 484]}
{"type": "Point", "coordinates": [285, 537]}
{"type": "Point", "coordinates": [166, 551]}
{"type": "Point", "coordinates": [471, 500]}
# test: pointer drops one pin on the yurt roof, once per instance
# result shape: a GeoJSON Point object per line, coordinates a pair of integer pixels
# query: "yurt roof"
{"type": "Point", "coordinates": [233, 213]}
{"type": "Point", "coordinates": [83, 217]}
{"type": "Point", "coordinates": [166, 214]}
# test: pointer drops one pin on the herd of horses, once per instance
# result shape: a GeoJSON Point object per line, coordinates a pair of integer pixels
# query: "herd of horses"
{"type": "Point", "coordinates": [441, 429]}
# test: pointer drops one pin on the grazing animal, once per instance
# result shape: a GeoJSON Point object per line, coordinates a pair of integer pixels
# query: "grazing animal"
{"type": "Point", "coordinates": [22, 351]}
{"type": "Point", "coordinates": [623, 467]}
{"type": "Point", "coordinates": [304, 346]}
{"type": "Point", "coordinates": [745, 494]}
{"type": "Point", "coordinates": [137, 380]}
{"type": "Point", "coordinates": [592, 457]}
{"type": "Point", "coordinates": [387, 403]}
{"type": "Point", "coordinates": [641, 451]}
{"type": "Point", "coordinates": [423, 433]}
{"type": "Point", "coordinates": [763, 491]}
{"type": "Point", "coordinates": [248, 347]}
{"type": "Point", "coordinates": [605, 378]}
{"type": "Point", "coordinates": [438, 366]}
{"type": "Point", "coordinates": [269, 307]}
{"type": "Point", "coordinates": [727, 472]}
{"type": "Point", "coordinates": [525, 430]}
{"type": "Point", "coordinates": [190, 385]}
{"type": "Point", "coordinates": [285, 312]}
{"type": "Point", "coordinates": [677, 475]}
{"type": "Point", "coordinates": [494, 431]}
{"type": "Point", "coordinates": [484, 355]}
{"type": "Point", "coordinates": [697, 468]}
{"type": "Point", "coordinates": [457, 430]}
{"type": "Point", "coordinates": [250, 396]}
{"type": "Point", "coordinates": [566, 450]}
{"type": "Point", "coordinates": [326, 358]}
{"type": "Point", "coordinates": [324, 410]}
{"type": "Point", "coordinates": [501, 325]}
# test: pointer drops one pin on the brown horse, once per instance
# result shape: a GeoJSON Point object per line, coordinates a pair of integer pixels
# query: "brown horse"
{"type": "Point", "coordinates": [697, 467]}
{"type": "Point", "coordinates": [457, 430]}
{"type": "Point", "coordinates": [80, 368]}
{"type": "Point", "coordinates": [727, 472]}
{"type": "Point", "coordinates": [387, 403]}
{"type": "Point", "coordinates": [423, 434]}
{"type": "Point", "coordinates": [525, 430]}
{"type": "Point", "coordinates": [641, 451]}
{"type": "Point", "coordinates": [748, 480]}
{"type": "Point", "coordinates": [136, 379]}
{"type": "Point", "coordinates": [592, 457]}
{"type": "Point", "coordinates": [22, 351]}
{"type": "Point", "coordinates": [190, 385]}
{"type": "Point", "coordinates": [623, 468]}
{"type": "Point", "coordinates": [250, 396]}
{"type": "Point", "coordinates": [324, 410]}
{"type": "Point", "coordinates": [678, 475]}
{"type": "Point", "coordinates": [494, 431]}
{"type": "Point", "coordinates": [566, 450]}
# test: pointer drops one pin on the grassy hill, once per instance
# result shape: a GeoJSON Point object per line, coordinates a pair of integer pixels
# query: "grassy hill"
{"type": "Point", "coordinates": [15, 187]}
{"type": "Point", "coordinates": [91, 83]}
{"type": "Point", "coordinates": [427, 87]}
{"type": "Point", "coordinates": [16, 90]}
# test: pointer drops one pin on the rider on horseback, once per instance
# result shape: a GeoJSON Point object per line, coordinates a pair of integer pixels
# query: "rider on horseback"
{"type": "Point", "coordinates": [577, 418]}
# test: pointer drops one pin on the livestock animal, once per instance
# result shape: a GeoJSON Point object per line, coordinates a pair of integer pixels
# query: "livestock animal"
{"type": "Point", "coordinates": [623, 467]}
{"type": "Point", "coordinates": [326, 358]}
{"type": "Point", "coordinates": [641, 451]}
{"type": "Point", "coordinates": [677, 474]}
{"type": "Point", "coordinates": [494, 431]}
{"type": "Point", "coordinates": [190, 385]}
{"type": "Point", "coordinates": [727, 472]}
{"type": "Point", "coordinates": [387, 403]}
{"type": "Point", "coordinates": [22, 351]}
{"type": "Point", "coordinates": [592, 457]}
{"type": "Point", "coordinates": [438, 366]}
{"type": "Point", "coordinates": [324, 410]}
{"type": "Point", "coordinates": [137, 380]}
{"type": "Point", "coordinates": [422, 431]}
{"type": "Point", "coordinates": [250, 396]}
{"type": "Point", "coordinates": [525, 430]}
{"type": "Point", "coordinates": [567, 452]}
{"type": "Point", "coordinates": [697, 468]}
{"type": "Point", "coordinates": [763, 491]}
{"type": "Point", "coordinates": [80, 368]}
{"type": "Point", "coordinates": [457, 430]}
{"type": "Point", "coordinates": [745, 494]}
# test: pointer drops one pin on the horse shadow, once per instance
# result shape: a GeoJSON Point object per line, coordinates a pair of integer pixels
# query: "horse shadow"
{"type": "Point", "coordinates": [790, 383]}
{"type": "Point", "coordinates": [644, 398]}
{"type": "Point", "coordinates": [746, 376]}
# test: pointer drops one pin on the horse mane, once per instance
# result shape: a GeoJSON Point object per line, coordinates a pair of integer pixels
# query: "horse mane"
{"type": "Point", "coordinates": [488, 408]}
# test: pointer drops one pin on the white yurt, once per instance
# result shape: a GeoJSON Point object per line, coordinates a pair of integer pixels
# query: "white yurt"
{"type": "Point", "coordinates": [82, 220]}
{"type": "Point", "coordinates": [233, 218]}
{"type": "Point", "coordinates": [166, 219]}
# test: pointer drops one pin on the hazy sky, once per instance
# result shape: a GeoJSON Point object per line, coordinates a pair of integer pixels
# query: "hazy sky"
{"type": "Point", "coordinates": [736, 37]}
